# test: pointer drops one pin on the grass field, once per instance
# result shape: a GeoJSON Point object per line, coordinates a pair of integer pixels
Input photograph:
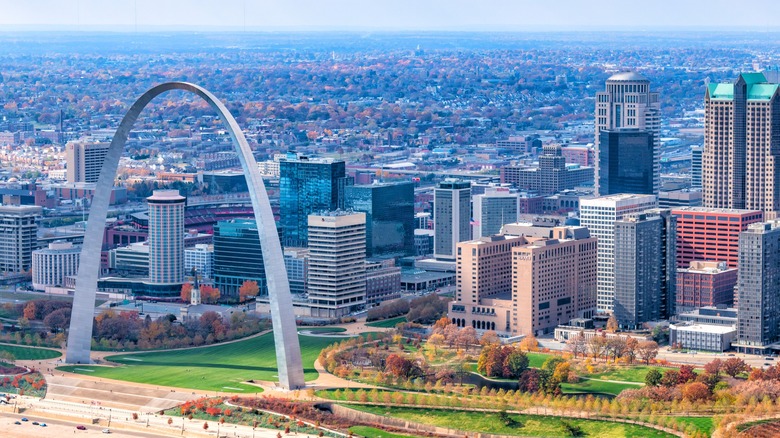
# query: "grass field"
{"type": "Point", "coordinates": [322, 329]}
{"type": "Point", "coordinates": [27, 353]}
{"type": "Point", "coordinates": [529, 425]}
{"type": "Point", "coordinates": [596, 387]}
{"type": "Point", "coordinates": [216, 368]}
{"type": "Point", "coordinates": [704, 424]}
{"type": "Point", "coordinates": [372, 432]}
{"type": "Point", "coordinates": [387, 323]}
{"type": "Point", "coordinates": [627, 374]}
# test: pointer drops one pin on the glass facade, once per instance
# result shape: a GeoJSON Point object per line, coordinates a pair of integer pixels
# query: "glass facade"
{"type": "Point", "coordinates": [238, 256]}
{"type": "Point", "coordinates": [389, 209]}
{"type": "Point", "coordinates": [626, 162]}
{"type": "Point", "coordinates": [307, 186]}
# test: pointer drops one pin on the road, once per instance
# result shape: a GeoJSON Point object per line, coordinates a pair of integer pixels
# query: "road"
{"type": "Point", "coordinates": [700, 358]}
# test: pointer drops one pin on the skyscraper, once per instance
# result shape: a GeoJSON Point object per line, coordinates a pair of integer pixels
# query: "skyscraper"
{"type": "Point", "coordinates": [166, 237]}
{"type": "Point", "coordinates": [492, 209]}
{"type": "Point", "coordinates": [599, 216]}
{"type": "Point", "coordinates": [628, 103]}
{"type": "Point", "coordinates": [452, 217]}
{"type": "Point", "coordinates": [238, 257]}
{"type": "Point", "coordinates": [696, 162]}
{"type": "Point", "coordinates": [626, 162]}
{"type": "Point", "coordinates": [389, 209]}
{"type": "Point", "coordinates": [18, 237]}
{"type": "Point", "coordinates": [337, 263]}
{"type": "Point", "coordinates": [638, 269]}
{"type": "Point", "coordinates": [758, 317]}
{"type": "Point", "coordinates": [307, 186]}
{"type": "Point", "coordinates": [741, 145]}
{"type": "Point", "coordinates": [84, 161]}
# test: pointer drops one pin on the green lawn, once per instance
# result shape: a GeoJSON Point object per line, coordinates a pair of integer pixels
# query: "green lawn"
{"type": "Point", "coordinates": [387, 323]}
{"type": "Point", "coordinates": [596, 387]}
{"type": "Point", "coordinates": [372, 432]}
{"type": "Point", "coordinates": [529, 425]}
{"type": "Point", "coordinates": [27, 353]}
{"type": "Point", "coordinates": [215, 368]}
{"type": "Point", "coordinates": [627, 374]}
{"type": "Point", "coordinates": [704, 424]}
{"type": "Point", "coordinates": [322, 329]}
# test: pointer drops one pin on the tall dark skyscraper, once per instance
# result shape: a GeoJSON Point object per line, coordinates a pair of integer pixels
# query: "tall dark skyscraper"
{"type": "Point", "coordinates": [307, 186]}
{"type": "Point", "coordinates": [625, 162]}
{"type": "Point", "coordinates": [389, 209]}
{"type": "Point", "coordinates": [628, 103]}
{"type": "Point", "coordinates": [238, 256]}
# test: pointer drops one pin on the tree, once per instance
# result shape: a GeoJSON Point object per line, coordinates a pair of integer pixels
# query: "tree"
{"type": "Point", "coordinates": [247, 290]}
{"type": "Point", "coordinates": [597, 346]}
{"type": "Point", "coordinates": [695, 391]}
{"type": "Point", "coordinates": [451, 334]}
{"type": "Point", "coordinates": [529, 343]}
{"type": "Point", "coordinates": [734, 366]}
{"type": "Point", "coordinates": [515, 363]}
{"type": "Point", "coordinates": [186, 292]}
{"type": "Point", "coordinates": [209, 294]}
{"type": "Point", "coordinates": [440, 324]}
{"type": "Point", "coordinates": [713, 367]}
{"type": "Point", "coordinates": [437, 340]}
{"type": "Point", "coordinates": [491, 360]}
{"type": "Point", "coordinates": [577, 344]}
{"type": "Point", "coordinates": [616, 346]}
{"type": "Point", "coordinates": [467, 336]}
{"type": "Point", "coordinates": [58, 320]}
{"type": "Point", "coordinates": [653, 377]}
{"type": "Point", "coordinates": [30, 310]}
{"type": "Point", "coordinates": [530, 380]}
{"type": "Point", "coordinates": [686, 374]}
{"type": "Point", "coordinates": [671, 378]}
{"type": "Point", "coordinates": [632, 345]}
{"type": "Point", "coordinates": [205, 426]}
{"type": "Point", "coordinates": [489, 337]}
{"type": "Point", "coordinates": [648, 350]}
{"type": "Point", "coordinates": [612, 324]}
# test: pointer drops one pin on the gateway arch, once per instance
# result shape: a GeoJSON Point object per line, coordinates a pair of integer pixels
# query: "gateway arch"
{"type": "Point", "coordinates": [288, 351]}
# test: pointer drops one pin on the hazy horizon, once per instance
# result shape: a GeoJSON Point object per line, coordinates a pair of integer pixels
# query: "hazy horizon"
{"type": "Point", "coordinates": [384, 16]}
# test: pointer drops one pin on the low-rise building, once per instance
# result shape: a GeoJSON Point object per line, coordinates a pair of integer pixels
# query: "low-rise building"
{"type": "Point", "coordinates": [383, 281]}
{"type": "Point", "coordinates": [702, 337]}
{"type": "Point", "coordinates": [705, 284]}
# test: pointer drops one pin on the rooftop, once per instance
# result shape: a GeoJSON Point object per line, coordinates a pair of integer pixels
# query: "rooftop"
{"type": "Point", "coordinates": [731, 211]}
{"type": "Point", "coordinates": [628, 76]}
{"type": "Point", "coordinates": [704, 328]}
{"type": "Point", "coordinates": [757, 88]}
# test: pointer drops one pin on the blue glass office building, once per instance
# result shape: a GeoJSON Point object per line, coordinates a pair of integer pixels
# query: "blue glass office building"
{"type": "Point", "coordinates": [389, 209]}
{"type": "Point", "coordinates": [238, 256]}
{"type": "Point", "coordinates": [307, 186]}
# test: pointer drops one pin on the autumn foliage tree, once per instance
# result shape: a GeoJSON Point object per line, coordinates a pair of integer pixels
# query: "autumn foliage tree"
{"type": "Point", "coordinates": [734, 366]}
{"type": "Point", "coordinates": [209, 294]}
{"type": "Point", "coordinates": [247, 290]}
{"type": "Point", "coordinates": [186, 292]}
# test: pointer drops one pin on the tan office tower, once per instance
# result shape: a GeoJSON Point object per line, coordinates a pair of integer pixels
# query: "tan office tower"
{"type": "Point", "coordinates": [528, 280]}
{"type": "Point", "coordinates": [741, 145]}
{"type": "Point", "coordinates": [337, 263]}
{"type": "Point", "coordinates": [84, 161]}
{"type": "Point", "coordinates": [627, 103]}
{"type": "Point", "coordinates": [554, 280]}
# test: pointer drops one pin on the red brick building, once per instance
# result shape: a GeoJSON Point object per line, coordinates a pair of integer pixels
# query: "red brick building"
{"type": "Point", "coordinates": [711, 234]}
{"type": "Point", "coordinates": [705, 284]}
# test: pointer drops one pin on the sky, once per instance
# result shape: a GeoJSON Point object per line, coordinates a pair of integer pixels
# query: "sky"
{"type": "Point", "coordinates": [403, 15]}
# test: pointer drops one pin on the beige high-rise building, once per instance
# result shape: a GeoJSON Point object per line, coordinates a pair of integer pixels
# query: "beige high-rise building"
{"type": "Point", "coordinates": [742, 146]}
{"type": "Point", "coordinates": [337, 263]}
{"type": "Point", "coordinates": [84, 161]}
{"type": "Point", "coordinates": [528, 280]}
